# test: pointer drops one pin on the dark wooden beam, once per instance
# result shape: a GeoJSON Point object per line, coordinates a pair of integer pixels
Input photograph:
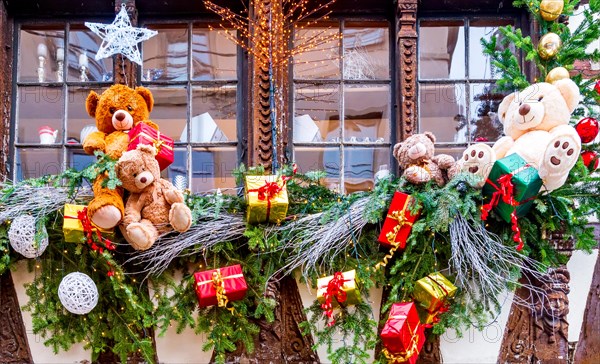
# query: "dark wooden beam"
{"type": "Point", "coordinates": [125, 71]}
{"type": "Point", "coordinates": [588, 346]}
{"type": "Point", "coordinates": [14, 347]}
{"type": "Point", "coordinates": [407, 68]}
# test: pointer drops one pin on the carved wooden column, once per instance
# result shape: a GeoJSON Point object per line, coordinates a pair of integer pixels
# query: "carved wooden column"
{"type": "Point", "coordinates": [125, 71]}
{"type": "Point", "coordinates": [280, 341]}
{"type": "Point", "coordinates": [541, 335]}
{"type": "Point", "coordinates": [406, 70]}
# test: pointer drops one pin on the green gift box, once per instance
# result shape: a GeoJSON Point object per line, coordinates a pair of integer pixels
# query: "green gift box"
{"type": "Point", "coordinates": [526, 183]}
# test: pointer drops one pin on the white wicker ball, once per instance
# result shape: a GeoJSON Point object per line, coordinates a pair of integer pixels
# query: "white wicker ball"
{"type": "Point", "coordinates": [21, 235]}
{"type": "Point", "coordinates": [78, 293]}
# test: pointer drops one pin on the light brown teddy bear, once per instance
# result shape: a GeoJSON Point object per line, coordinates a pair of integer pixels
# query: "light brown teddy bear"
{"type": "Point", "coordinates": [116, 111]}
{"type": "Point", "coordinates": [416, 158]}
{"type": "Point", "coordinates": [154, 205]}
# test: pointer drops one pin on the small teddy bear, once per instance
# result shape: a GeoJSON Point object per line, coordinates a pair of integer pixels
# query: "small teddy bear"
{"type": "Point", "coordinates": [118, 109]}
{"type": "Point", "coordinates": [416, 158]}
{"type": "Point", "coordinates": [536, 124]}
{"type": "Point", "coordinates": [154, 206]}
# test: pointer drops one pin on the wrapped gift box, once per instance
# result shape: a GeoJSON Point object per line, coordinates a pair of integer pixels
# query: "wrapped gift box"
{"type": "Point", "coordinates": [349, 286]}
{"type": "Point", "coordinates": [526, 185]}
{"type": "Point", "coordinates": [267, 199]}
{"type": "Point", "coordinates": [73, 229]}
{"type": "Point", "coordinates": [144, 134]}
{"type": "Point", "coordinates": [398, 222]}
{"type": "Point", "coordinates": [432, 293]}
{"type": "Point", "coordinates": [403, 335]}
{"type": "Point", "coordinates": [231, 278]}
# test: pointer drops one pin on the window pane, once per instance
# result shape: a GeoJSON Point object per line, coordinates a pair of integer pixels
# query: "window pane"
{"type": "Point", "coordinates": [213, 115]}
{"type": "Point", "coordinates": [79, 123]}
{"type": "Point", "coordinates": [166, 55]}
{"type": "Point", "coordinates": [441, 50]}
{"type": "Point", "coordinates": [212, 168]}
{"type": "Point", "coordinates": [40, 47]}
{"type": "Point", "coordinates": [480, 66]}
{"type": "Point", "coordinates": [33, 163]}
{"type": "Point", "coordinates": [78, 159]}
{"type": "Point", "coordinates": [454, 152]}
{"type": "Point", "coordinates": [366, 52]}
{"type": "Point", "coordinates": [485, 126]}
{"type": "Point", "coordinates": [442, 111]}
{"type": "Point", "coordinates": [367, 113]}
{"type": "Point", "coordinates": [176, 172]}
{"type": "Point", "coordinates": [318, 54]}
{"type": "Point", "coordinates": [361, 164]}
{"type": "Point", "coordinates": [213, 55]}
{"type": "Point", "coordinates": [83, 46]}
{"type": "Point", "coordinates": [40, 115]}
{"type": "Point", "coordinates": [323, 159]}
{"type": "Point", "coordinates": [316, 115]}
{"type": "Point", "coordinates": [170, 110]}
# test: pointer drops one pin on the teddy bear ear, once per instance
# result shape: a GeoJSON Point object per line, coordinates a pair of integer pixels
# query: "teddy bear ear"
{"type": "Point", "coordinates": [430, 135]}
{"type": "Point", "coordinates": [147, 149]}
{"type": "Point", "coordinates": [569, 91]}
{"type": "Point", "coordinates": [91, 103]}
{"type": "Point", "coordinates": [147, 96]}
{"type": "Point", "coordinates": [503, 107]}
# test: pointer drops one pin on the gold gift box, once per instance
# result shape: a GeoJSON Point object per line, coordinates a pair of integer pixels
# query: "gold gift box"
{"type": "Point", "coordinates": [433, 291]}
{"type": "Point", "coordinates": [349, 286]}
{"type": "Point", "coordinates": [272, 209]}
{"type": "Point", "coordinates": [72, 227]}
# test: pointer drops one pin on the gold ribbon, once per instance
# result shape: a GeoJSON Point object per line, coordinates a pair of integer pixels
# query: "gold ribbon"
{"type": "Point", "coordinates": [399, 216]}
{"type": "Point", "coordinates": [384, 262]}
{"type": "Point", "coordinates": [413, 349]}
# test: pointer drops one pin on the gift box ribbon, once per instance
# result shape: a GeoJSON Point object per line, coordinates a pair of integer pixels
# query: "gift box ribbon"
{"type": "Point", "coordinates": [400, 217]}
{"type": "Point", "coordinates": [504, 192]}
{"type": "Point", "coordinates": [334, 290]}
{"type": "Point", "coordinates": [158, 143]}
{"type": "Point", "coordinates": [413, 347]}
{"type": "Point", "coordinates": [271, 189]}
{"type": "Point", "coordinates": [88, 232]}
{"type": "Point", "coordinates": [218, 282]}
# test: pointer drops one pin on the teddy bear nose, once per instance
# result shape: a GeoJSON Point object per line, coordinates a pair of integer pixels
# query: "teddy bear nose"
{"type": "Point", "coordinates": [120, 115]}
{"type": "Point", "coordinates": [143, 179]}
{"type": "Point", "coordinates": [524, 109]}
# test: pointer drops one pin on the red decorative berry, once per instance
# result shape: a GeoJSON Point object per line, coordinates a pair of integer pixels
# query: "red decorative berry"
{"type": "Point", "coordinates": [587, 128]}
{"type": "Point", "coordinates": [588, 156]}
{"type": "Point", "coordinates": [597, 87]}
{"type": "Point", "coordinates": [110, 273]}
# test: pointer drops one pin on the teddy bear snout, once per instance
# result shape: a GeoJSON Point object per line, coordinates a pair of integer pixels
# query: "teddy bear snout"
{"type": "Point", "coordinates": [144, 179]}
{"type": "Point", "coordinates": [524, 109]}
{"type": "Point", "coordinates": [417, 151]}
{"type": "Point", "coordinates": [122, 120]}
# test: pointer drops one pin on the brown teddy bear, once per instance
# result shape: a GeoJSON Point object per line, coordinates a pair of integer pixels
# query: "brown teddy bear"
{"type": "Point", "coordinates": [116, 111]}
{"type": "Point", "coordinates": [154, 205]}
{"type": "Point", "coordinates": [416, 158]}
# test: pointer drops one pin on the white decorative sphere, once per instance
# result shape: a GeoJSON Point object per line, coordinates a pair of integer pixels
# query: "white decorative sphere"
{"type": "Point", "coordinates": [21, 235]}
{"type": "Point", "coordinates": [78, 293]}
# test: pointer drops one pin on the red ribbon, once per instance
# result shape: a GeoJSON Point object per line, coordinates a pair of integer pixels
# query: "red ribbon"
{"type": "Point", "coordinates": [504, 192]}
{"type": "Point", "coordinates": [334, 290]}
{"type": "Point", "coordinates": [88, 231]}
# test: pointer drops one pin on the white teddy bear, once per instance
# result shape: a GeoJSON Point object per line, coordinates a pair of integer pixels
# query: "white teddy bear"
{"type": "Point", "coordinates": [536, 125]}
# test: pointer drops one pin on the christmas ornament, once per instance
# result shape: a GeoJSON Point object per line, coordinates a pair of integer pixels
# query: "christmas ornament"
{"type": "Point", "coordinates": [78, 293]}
{"type": "Point", "coordinates": [587, 128]}
{"type": "Point", "coordinates": [597, 86]}
{"type": "Point", "coordinates": [588, 156]}
{"type": "Point", "coordinates": [22, 237]}
{"type": "Point", "coordinates": [551, 9]}
{"type": "Point", "coordinates": [120, 37]}
{"type": "Point", "coordinates": [549, 45]}
{"type": "Point", "coordinates": [556, 74]}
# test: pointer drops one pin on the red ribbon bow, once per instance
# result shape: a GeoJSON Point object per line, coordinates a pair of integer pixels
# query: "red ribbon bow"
{"type": "Point", "coordinates": [504, 192]}
{"type": "Point", "coordinates": [88, 231]}
{"type": "Point", "coordinates": [334, 290]}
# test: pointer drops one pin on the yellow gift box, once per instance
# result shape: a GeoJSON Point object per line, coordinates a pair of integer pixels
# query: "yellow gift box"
{"type": "Point", "coordinates": [349, 286]}
{"type": "Point", "coordinates": [72, 227]}
{"type": "Point", "coordinates": [432, 292]}
{"type": "Point", "coordinates": [267, 199]}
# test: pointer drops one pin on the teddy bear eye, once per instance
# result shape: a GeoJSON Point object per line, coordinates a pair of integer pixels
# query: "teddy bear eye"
{"type": "Point", "coordinates": [134, 175]}
{"type": "Point", "coordinates": [112, 110]}
{"type": "Point", "coordinates": [129, 108]}
{"type": "Point", "coordinates": [540, 98]}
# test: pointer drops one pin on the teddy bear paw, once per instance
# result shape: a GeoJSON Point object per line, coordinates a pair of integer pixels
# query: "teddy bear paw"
{"type": "Point", "coordinates": [417, 174]}
{"type": "Point", "coordinates": [560, 156]}
{"type": "Point", "coordinates": [180, 217]}
{"type": "Point", "coordinates": [106, 217]}
{"type": "Point", "coordinates": [139, 237]}
{"type": "Point", "coordinates": [478, 159]}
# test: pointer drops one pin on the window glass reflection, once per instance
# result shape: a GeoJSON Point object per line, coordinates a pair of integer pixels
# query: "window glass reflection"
{"type": "Point", "coordinates": [166, 55]}
{"type": "Point", "coordinates": [321, 61]}
{"type": "Point", "coordinates": [366, 52]}
{"type": "Point", "coordinates": [34, 163]}
{"type": "Point", "coordinates": [213, 55]}
{"type": "Point", "coordinates": [316, 113]}
{"type": "Point", "coordinates": [212, 168]}
{"type": "Point", "coordinates": [170, 110]}
{"type": "Point", "coordinates": [83, 45]}
{"type": "Point", "coordinates": [441, 50]}
{"type": "Point", "coordinates": [442, 111]}
{"type": "Point", "coordinates": [366, 113]}
{"type": "Point", "coordinates": [41, 52]}
{"type": "Point", "coordinates": [480, 65]}
{"type": "Point", "coordinates": [40, 115]}
{"type": "Point", "coordinates": [213, 114]}
{"type": "Point", "coordinates": [485, 125]}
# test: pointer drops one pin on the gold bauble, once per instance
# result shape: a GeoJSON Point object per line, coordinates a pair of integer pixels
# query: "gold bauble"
{"type": "Point", "coordinates": [551, 9]}
{"type": "Point", "coordinates": [556, 74]}
{"type": "Point", "coordinates": [549, 45]}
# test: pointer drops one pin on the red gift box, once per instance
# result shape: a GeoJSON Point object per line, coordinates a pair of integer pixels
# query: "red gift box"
{"type": "Point", "coordinates": [403, 335]}
{"type": "Point", "coordinates": [145, 134]}
{"type": "Point", "coordinates": [218, 286]}
{"type": "Point", "coordinates": [398, 222]}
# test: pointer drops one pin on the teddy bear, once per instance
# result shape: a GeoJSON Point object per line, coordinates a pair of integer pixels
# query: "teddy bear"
{"type": "Point", "coordinates": [154, 205]}
{"type": "Point", "coordinates": [536, 127]}
{"type": "Point", "coordinates": [416, 158]}
{"type": "Point", "coordinates": [116, 110]}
